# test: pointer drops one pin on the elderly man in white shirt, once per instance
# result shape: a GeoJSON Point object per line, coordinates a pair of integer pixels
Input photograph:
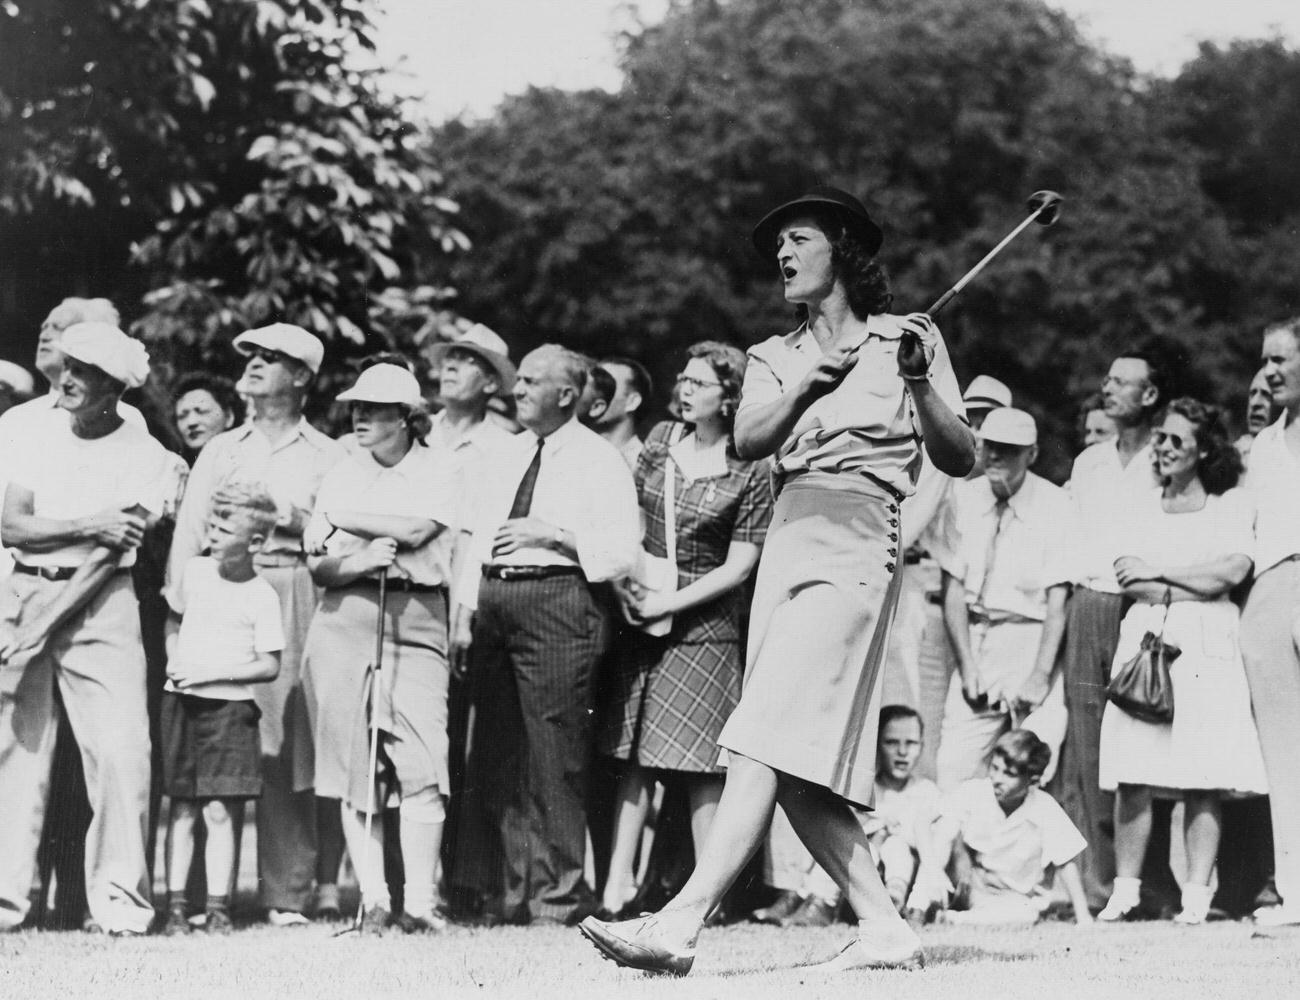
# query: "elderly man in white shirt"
{"type": "Point", "coordinates": [81, 493]}
{"type": "Point", "coordinates": [1004, 596]}
{"type": "Point", "coordinates": [1269, 633]}
{"type": "Point", "coordinates": [555, 514]}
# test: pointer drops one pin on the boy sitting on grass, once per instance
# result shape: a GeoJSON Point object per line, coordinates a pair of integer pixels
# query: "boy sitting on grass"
{"type": "Point", "coordinates": [229, 638]}
{"type": "Point", "coordinates": [1003, 835]}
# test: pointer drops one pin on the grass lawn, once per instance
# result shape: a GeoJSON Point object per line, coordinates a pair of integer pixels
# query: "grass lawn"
{"type": "Point", "coordinates": [1053, 961]}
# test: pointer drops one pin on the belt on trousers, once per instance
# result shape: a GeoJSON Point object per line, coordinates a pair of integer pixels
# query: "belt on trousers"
{"type": "Point", "coordinates": [56, 573]}
{"type": "Point", "coordinates": [272, 560]}
{"type": "Point", "coordinates": [529, 572]}
{"type": "Point", "coordinates": [394, 584]}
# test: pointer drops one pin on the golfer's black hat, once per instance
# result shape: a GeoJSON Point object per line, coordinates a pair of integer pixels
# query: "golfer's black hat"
{"type": "Point", "coordinates": [847, 207]}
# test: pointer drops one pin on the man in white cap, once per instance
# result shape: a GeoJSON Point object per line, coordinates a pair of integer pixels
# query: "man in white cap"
{"type": "Point", "coordinates": [279, 449]}
{"type": "Point", "coordinates": [1004, 594]}
{"type": "Point", "coordinates": [80, 496]}
{"type": "Point", "coordinates": [15, 423]}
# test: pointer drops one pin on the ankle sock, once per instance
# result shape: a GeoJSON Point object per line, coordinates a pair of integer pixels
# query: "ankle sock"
{"type": "Point", "coordinates": [217, 903]}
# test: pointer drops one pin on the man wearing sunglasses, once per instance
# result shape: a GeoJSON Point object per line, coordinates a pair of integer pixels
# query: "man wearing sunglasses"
{"type": "Point", "coordinates": [279, 449]}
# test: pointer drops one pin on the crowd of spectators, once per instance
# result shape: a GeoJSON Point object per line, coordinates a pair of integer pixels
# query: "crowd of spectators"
{"type": "Point", "coordinates": [440, 650]}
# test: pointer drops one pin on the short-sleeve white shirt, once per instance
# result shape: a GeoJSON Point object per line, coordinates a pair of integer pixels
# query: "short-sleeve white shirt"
{"type": "Point", "coordinates": [867, 423]}
{"type": "Point", "coordinates": [421, 485]}
{"type": "Point", "coordinates": [72, 477]}
{"type": "Point", "coordinates": [1104, 497]}
{"type": "Point", "coordinates": [1274, 481]}
{"type": "Point", "coordinates": [1013, 850]}
{"type": "Point", "coordinates": [225, 625]}
{"type": "Point", "coordinates": [911, 809]}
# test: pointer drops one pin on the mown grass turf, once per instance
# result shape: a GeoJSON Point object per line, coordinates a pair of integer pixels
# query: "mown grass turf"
{"type": "Point", "coordinates": [1154, 961]}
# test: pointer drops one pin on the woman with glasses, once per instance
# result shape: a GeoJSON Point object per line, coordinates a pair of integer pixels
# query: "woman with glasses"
{"type": "Point", "coordinates": [670, 695]}
{"type": "Point", "coordinates": [1190, 545]}
{"type": "Point", "coordinates": [843, 404]}
{"type": "Point", "coordinates": [382, 513]}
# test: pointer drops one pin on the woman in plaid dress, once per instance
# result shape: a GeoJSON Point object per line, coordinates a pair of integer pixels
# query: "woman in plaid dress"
{"type": "Point", "coordinates": [671, 696]}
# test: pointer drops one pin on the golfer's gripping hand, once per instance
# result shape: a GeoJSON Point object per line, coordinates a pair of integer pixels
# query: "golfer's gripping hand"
{"type": "Point", "coordinates": [914, 355]}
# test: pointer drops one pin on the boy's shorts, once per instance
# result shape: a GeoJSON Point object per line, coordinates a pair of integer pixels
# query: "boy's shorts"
{"type": "Point", "coordinates": [211, 748]}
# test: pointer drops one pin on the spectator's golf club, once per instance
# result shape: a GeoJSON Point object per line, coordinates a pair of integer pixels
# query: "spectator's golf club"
{"type": "Point", "coordinates": [1044, 206]}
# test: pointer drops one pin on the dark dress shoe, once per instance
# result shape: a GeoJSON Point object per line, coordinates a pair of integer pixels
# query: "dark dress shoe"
{"type": "Point", "coordinates": [633, 944]}
{"type": "Point", "coordinates": [813, 912]}
{"type": "Point", "coordinates": [783, 906]}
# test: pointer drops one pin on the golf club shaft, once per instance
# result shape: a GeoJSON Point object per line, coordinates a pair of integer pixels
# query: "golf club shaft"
{"type": "Point", "coordinates": [373, 763]}
{"type": "Point", "coordinates": [969, 276]}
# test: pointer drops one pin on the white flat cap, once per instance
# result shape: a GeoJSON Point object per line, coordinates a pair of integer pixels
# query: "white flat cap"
{"type": "Point", "coordinates": [1007, 425]}
{"type": "Point", "coordinates": [287, 339]}
{"type": "Point", "coordinates": [17, 378]}
{"type": "Point", "coordinates": [384, 384]}
{"type": "Point", "coordinates": [108, 349]}
{"type": "Point", "coordinates": [986, 391]}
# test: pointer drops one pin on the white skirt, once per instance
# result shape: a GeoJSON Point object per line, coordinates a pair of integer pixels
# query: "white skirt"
{"type": "Point", "coordinates": [1212, 743]}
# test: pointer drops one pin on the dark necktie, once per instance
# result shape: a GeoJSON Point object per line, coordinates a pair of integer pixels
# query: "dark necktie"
{"type": "Point", "coordinates": [524, 495]}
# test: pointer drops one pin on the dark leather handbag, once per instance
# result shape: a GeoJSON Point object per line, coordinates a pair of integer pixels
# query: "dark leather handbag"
{"type": "Point", "coordinates": [1142, 686]}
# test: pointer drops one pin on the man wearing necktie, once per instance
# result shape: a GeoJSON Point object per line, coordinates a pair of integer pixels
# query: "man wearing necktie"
{"type": "Point", "coordinates": [1003, 600]}
{"type": "Point", "coordinates": [556, 512]}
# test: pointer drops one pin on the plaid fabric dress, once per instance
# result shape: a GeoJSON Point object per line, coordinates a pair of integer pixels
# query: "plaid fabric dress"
{"type": "Point", "coordinates": [668, 698]}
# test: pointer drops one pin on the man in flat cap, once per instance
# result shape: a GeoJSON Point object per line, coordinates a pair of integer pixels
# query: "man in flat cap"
{"type": "Point", "coordinates": [280, 450]}
{"type": "Point", "coordinates": [81, 493]}
{"type": "Point", "coordinates": [1004, 593]}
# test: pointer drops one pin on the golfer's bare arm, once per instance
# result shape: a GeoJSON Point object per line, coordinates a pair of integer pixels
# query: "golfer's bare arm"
{"type": "Point", "coordinates": [948, 441]}
{"type": "Point", "coordinates": [23, 529]}
{"type": "Point", "coordinates": [409, 532]}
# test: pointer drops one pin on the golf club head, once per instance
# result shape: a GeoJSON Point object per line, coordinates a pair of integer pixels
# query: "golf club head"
{"type": "Point", "coordinates": [1047, 205]}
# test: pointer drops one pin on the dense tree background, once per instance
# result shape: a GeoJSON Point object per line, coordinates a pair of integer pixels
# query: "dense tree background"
{"type": "Point", "coordinates": [621, 222]}
{"type": "Point", "coordinates": [213, 166]}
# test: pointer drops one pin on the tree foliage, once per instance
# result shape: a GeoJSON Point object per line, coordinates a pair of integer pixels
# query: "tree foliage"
{"type": "Point", "coordinates": [251, 167]}
{"type": "Point", "coordinates": [621, 222]}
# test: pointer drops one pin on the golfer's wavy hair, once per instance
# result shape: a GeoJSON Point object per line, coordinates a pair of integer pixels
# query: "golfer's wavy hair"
{"type": "Point", "coordinates": [1220, 468]}
{"type": "Point", "coordinates": [865, 282]}
{"type": "Point", "coordinates": [728, 363]}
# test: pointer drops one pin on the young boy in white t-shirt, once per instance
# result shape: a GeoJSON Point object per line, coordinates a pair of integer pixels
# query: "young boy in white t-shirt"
{"type": "Point", "coordinates": [1002, 835]}
{"type": "Point", "coordinates": [227, 636]}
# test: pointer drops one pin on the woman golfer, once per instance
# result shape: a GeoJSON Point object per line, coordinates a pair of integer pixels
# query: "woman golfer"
{"type": "Point", "coordinates": [843, 404]}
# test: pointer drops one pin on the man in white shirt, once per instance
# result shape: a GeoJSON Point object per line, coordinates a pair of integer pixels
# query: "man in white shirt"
{"type": "Point", "coordinates": [1004, 600]}
{"type": "Point", "coordinates": [1106, 481]}
{"type": "Point", "coordinates": [554, 514]}
{"type": "Point", "coordinates": [280, 450]}
{"type": "Point", "coordinates": [1269, 632]}
{"type": "Point", "coordinates": [80, 495]}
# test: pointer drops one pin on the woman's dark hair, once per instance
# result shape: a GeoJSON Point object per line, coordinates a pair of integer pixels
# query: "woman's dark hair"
{"type": "Point", "coordinates": [728, 363]}
{"type": "Point", "coordinates": [1220, 468]}
{"type": "Point", "coordinates": [1023, 753]}
{"type": "Point", "coordinates": [217, 386]}
{"type": "Point", "coordinates": [865, 282]}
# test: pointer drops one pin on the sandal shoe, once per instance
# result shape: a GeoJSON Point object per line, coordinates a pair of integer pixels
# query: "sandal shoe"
{"type": "Point", "coordinates": [634, 944]}
{"type": "Point", "coordinates": [858, 955]}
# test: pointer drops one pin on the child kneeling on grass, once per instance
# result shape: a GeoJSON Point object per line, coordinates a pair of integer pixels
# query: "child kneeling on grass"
{"type": "Point", "coordinates": [227, 637]}
{"type": "Point", "coordinates": [1003, 835]}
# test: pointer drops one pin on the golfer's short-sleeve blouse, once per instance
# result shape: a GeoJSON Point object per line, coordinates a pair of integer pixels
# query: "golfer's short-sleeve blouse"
{"type": "Point", "coordinates": [419, 486]}
{"type": "Point", "coordinates": [867, 424]}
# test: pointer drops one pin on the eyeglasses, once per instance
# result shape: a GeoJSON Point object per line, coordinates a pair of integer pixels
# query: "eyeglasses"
{"type": "Point", "coordinates": [267, 355]}
{"type": "Point", "coordinates": [1115, 380]}
{"type": "Point", "coordinates": [1158, 438]}
{"type": "Point", "coordinates": [685, 382]}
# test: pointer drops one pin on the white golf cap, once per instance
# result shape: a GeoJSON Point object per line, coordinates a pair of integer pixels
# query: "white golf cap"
{"type": "Point", "coordinates": [483, 343]}
{"type": "Point", "coordinates": [18, 379]}
{"type": "Point", "coordinates": [987, 392]}
{"type": "Point", "coordinates": [108, 349]}
{"type": "Point", "coordinates": [1007, 425]}
{"type": "Point", "coordinates": [384, 384]}
{"type": "Point", "coordinates": [287, 339]}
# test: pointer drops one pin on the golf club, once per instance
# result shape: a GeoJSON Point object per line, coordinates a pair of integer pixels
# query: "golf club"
{"type": "Point", "coordinates": [1044, 207]}
{"type": "Point", "coordinates": [371, 697]}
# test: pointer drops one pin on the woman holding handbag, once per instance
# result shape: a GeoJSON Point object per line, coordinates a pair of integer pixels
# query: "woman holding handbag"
{"type": "Point", "coordinates": [678, 677]}
{"type": "Point", "coordinates": [1189, 549]}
